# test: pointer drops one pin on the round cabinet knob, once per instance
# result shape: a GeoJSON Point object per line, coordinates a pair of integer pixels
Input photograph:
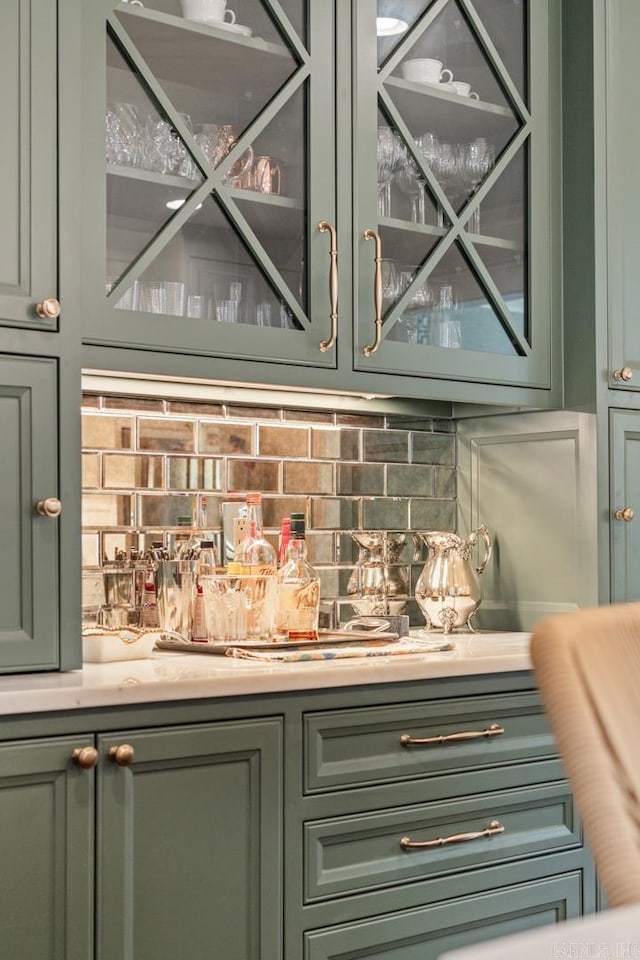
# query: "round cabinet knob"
{"type": "Point", "coordinates": [122, 754]}
{"type": "Point", "coordinates": [85, 757]}
{"type": "Point", "coordinates": [627, 514]}
{"type": "Point", "coordinates": [48, 309]}
{"type": "Point", "coordinates": [625, 373]}
{"type": "Point", "coordinates": [51, 507]}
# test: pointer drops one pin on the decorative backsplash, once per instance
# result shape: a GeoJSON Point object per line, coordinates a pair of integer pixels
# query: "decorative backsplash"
{"type": "Point", "coordinates": [147, 461]}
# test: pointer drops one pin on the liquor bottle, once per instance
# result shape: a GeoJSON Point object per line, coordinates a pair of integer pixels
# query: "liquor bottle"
{"type": "Point", "coordinates": [255, 552]}
{"type": "Point", "coordinates": [298, 589]}
{"type": "Point", "coordinates": [285, 536]}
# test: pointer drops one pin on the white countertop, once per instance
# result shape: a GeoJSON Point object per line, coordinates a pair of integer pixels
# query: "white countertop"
{"type": "Point", "coordinates": [183, 676]}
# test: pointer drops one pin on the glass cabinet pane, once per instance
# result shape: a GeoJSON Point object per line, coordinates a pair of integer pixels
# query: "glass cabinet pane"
{"type": "Point", "coordinates": [452, 167]}
{"type": "Point", "coordinates": [206, 147]}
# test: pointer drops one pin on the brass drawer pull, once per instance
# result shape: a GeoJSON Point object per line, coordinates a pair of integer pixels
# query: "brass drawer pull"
{"type": "Point", "coordinates": [377, 291]}
{"type": "Point", "coordinates": [494, 827]}
{"type": "Point", "coordinates": [627, 514]}
{"type": "Point", "coordinates": [51, 507]}
{"type": "Point", "coordinates": [48, 309]}
{"type": "Point", "coordinates": [625, 373]}
{"type": "Point", "coordinates": [493, 730]}
{"type": "Point", "coordinates": [122, 754]}
{"type": "Point", "coordinates": [325, 227]}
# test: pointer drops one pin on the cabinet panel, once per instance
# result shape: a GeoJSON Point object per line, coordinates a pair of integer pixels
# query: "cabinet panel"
{"type": "Point", "coordinates": [28, 183]}
{"type": "Point", "coordinates": [190, 842]}
{"type": "Point", "coordinates": [346, 748]}
{"type": "Point", "coordinates": [29, 574]}
{"type": "Point", "coordinates": [625, 494]}
{"type": "Point", "coordinates": [46, 845]}
{"type": "Point", "coordinates": [353, 854]}
{"type": "Point", "coordinates": [425, 933]}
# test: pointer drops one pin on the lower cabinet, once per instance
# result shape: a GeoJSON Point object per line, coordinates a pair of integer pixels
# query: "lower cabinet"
{"type": "Point", "coordinates": [624, 442]}
{"type": "Point", "coordinates": [288, 827]}
{"type": "Point", "coordinates": [186, 844]}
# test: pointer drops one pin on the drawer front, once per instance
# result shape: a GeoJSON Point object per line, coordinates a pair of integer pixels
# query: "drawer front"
{"type": "Point", "coordinates": [348, 855]}
{"type": "Point", "coordinates": [425, 933]}
{"type": "Point", "coordinates": [349, 748]}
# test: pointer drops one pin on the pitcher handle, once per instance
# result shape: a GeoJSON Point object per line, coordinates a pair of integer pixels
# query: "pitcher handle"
{"type": "Point", "coordinates": [482, 532]}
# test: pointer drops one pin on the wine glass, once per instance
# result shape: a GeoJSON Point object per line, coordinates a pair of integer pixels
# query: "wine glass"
{"type": "Point", "coordinates": [411, 182]}
{"type": "Point", "coordinates": [390, 153]}
{"type": "Point", "coordinates": [478, 159]}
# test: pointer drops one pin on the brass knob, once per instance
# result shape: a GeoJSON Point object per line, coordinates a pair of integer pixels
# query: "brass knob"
{"type": "Point", "coordinates": [627, 514]}
{"type": "Point", "coordinates": [625, 373]}
{"type": "Point", "coordinates": [122, 754]}
{"type": "Point", "coordinates": [85, 757]}
{"type": "Point", "coordinates": [48, 309]}
{"type": "Point", "coordinates": [51, 507]}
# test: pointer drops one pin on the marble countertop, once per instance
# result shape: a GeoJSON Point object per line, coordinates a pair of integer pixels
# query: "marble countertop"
{"type": "Point", "coordinates": [168, 676]}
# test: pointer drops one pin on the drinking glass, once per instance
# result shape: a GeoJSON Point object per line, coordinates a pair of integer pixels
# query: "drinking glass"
{"type": "Point", "coordinates": [443, 328]}
{"type": "Point", "coordinates": [478, 159]}
{"type": "Point", "coordinates": [391, 283]}
{"type": "Point", "coordinates": [174, 297]}
{"type": "Point", "coordinates": [411, 182]}
{"type": "Point", "coordinates": [153, 296]}
{"type": "Point", "coordinates": [390, 153]}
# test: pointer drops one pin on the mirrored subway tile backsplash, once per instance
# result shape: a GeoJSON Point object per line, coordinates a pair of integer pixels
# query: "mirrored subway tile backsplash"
{"type": "Point", "coordinates": [147, 461]}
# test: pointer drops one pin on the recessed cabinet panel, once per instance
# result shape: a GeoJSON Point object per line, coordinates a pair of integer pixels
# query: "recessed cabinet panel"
{"type": "Point", "coordinates": [28, 183]}
{"type": "Point", "coordinates": [624, 517]}
{"type": "Point", "coordinates": [198, 812]}
{"type": "Point", "coordinates": [204, 134]}
{"type": "Point", "coordinates": [29, 585]}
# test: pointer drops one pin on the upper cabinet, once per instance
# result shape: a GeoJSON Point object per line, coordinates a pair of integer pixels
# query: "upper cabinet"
{"type": "Point", "coordinates": [366, 195]}
{"type": "Point", "coordinates": [28, 176]}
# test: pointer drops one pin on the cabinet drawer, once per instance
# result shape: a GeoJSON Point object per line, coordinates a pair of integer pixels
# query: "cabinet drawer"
{"type": "Point", "coordinates": [426, 932]}
{"type": "Point", "coordinates": [349, 748]}
{"type": "Point", "coordinates": [348, 855]}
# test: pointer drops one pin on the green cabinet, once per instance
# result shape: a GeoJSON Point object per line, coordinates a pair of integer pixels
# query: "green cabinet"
{"type": "Point", "coordinates": [625, 491]}
{"type": "Point", "coordinates": [186, 844]}
{"type": "Point", "coordinates": [39, 344]}
{"type": "Point", "coordinates": [285, 202]}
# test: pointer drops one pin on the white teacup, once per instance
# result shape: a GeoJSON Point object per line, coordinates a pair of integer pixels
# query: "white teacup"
{"type": "Point", "coordinates": [425, 70]}
{"type": "Point", "coordinates": [208, 11]}
{"type": "Point", "coordinates": [464, 89]}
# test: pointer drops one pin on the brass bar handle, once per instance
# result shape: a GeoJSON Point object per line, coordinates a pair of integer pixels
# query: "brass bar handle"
{"type": "Point", "coordinates": [122, 754]}
{"type": "Point", "coordinates": [493, 730]}
{"type": "Point", "coordinates": [494, 827]}
{"type": "Point", "coordinates": [377, 291]}
{"type": "Point", "coordinates": [325, 227]}
{"type": "Point", "coordinates": [627, 514]}
{"type": "Point", "coordinates": [85, 757]}
{"type": "Point", "coordinates": [625, 373]}
{"type": "Point", "coordinates": [48, 309]}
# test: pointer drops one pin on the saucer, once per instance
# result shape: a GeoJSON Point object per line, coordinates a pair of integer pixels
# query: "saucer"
{"type": "Point", "coordinates": [231, 27]}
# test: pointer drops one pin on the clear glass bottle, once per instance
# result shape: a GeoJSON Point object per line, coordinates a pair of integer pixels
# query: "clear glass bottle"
{"type": "Point", "coordinates": [298, 589]}
{"type": "Point", "coordinates": [255, 552]}
{"type": "Point", "coordinates": [207, 560]}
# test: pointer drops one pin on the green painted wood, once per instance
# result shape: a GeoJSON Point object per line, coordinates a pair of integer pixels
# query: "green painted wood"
{"type": "Point", "coordinates": [348, 748]}
{"type": "Point", "coordinates": [426, 932]}
{"type": "Point", "coordinates": [625, 492]}
{"type": "Point", "coordinates": [355, 853]}
{"type": "Point", "coordinates": [623, 143]}
{"type": "Point", "coordinates": [538, 366]}
{"type": "Point", "coordinates": [29, 575]}
{"type": "Point", "coordinates": [190, 843]}
{"type": "Point", "coordinates": [532, 479]}
{"type": "Point", "coordinates": [28, 195]}
{"type": "Point", "coordinates": [46, 839]}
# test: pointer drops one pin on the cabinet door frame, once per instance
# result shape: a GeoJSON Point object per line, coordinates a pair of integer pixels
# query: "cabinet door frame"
{"type": "Point", "coordinates": [539, 367]}
{"type": "Point", "coordinates": [106, 325]}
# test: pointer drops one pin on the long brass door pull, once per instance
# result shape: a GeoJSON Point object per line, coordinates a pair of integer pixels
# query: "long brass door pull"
{"type": "Point", "coordinates": [325, 227]}
{"type": "Point", "coordinates": [493, 730]}
{"type": "Point", "coordinates": [377, 291]}
{"type": "Point", "coordinates": [494, 827]}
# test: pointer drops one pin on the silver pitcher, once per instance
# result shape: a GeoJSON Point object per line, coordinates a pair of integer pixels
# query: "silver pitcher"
{"type": "Point", "coordinates": [379, 584]}
{"type": "Point", "coordinates": [448, 591]}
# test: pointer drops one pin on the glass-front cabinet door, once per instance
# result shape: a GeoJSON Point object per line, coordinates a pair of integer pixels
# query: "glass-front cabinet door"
{"type": "Point", "coordinates": [453, 242]}
{"type": "Point", "coordinates": [210, 194]}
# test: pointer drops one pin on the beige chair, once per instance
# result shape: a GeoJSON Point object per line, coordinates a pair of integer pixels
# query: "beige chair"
{"type": "Point", "coordinates": [587, 666]}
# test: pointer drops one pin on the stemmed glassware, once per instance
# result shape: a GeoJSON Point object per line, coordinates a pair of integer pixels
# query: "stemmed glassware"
{"type": "Point", "coordinates": [390, 153]}
{"type": "Point", "coordinates": [477, 159]}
